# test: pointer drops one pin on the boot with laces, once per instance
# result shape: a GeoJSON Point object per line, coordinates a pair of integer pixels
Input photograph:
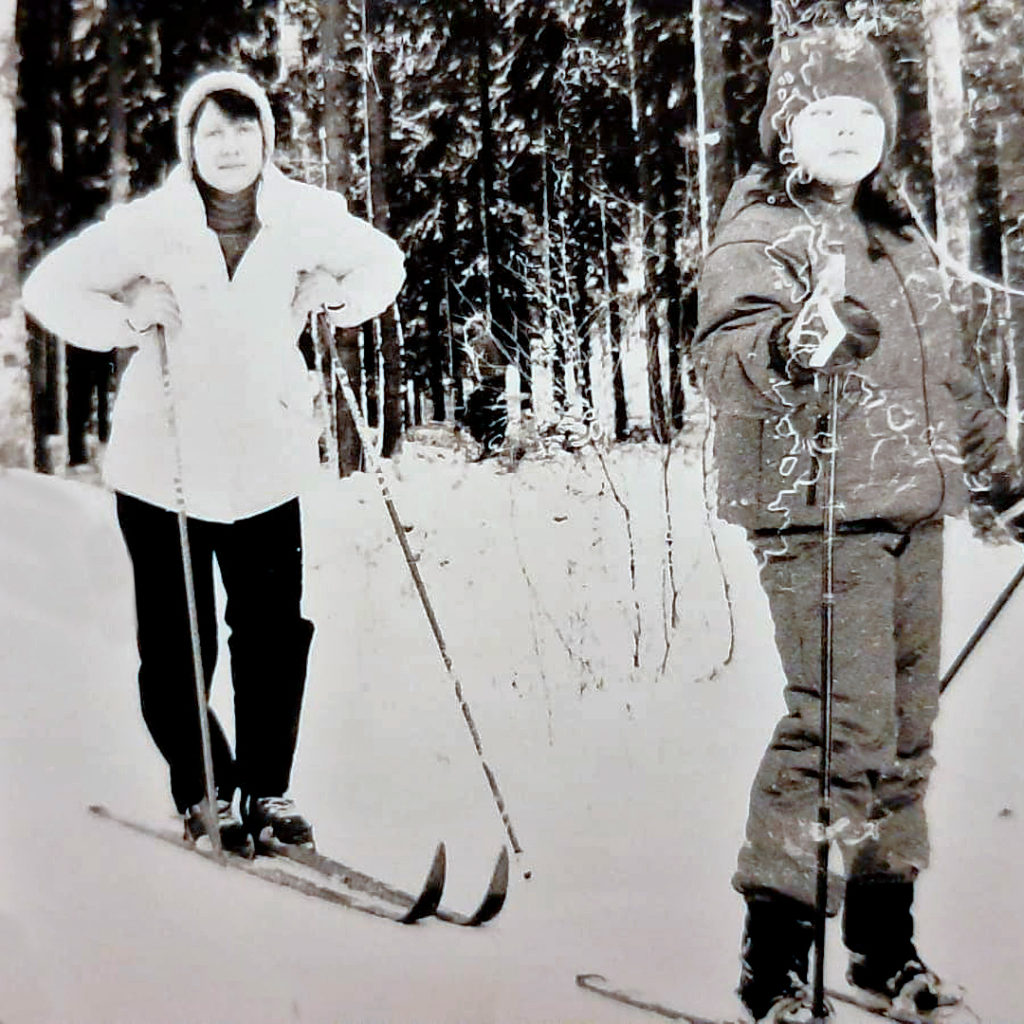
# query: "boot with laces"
{"type": "Point", "coordinates": [277, 817]}
{"type": "Point", "coordinates": [234, 836]}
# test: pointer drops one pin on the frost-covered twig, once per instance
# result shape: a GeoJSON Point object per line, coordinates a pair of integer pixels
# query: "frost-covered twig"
{"type": "Point", "coordinates": [536, 603]}
{"type": "Point", "coordinates": [947, 262]}
{"type": "Point", "coordinates": [709, 520]}
{"type": "Point", "coordinates": [637, 629]}
{"type": "Point", "coordinates": [671, 615]}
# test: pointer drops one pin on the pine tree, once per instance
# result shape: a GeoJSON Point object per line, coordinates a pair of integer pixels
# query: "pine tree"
{"type": "Point", "coordinates": [15, 424]}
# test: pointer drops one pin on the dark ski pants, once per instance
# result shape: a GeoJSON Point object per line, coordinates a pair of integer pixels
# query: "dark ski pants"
{"type": "Point", "coordinates": [260, 560]}
{"type": "Point", "coordinates": [887, 619]}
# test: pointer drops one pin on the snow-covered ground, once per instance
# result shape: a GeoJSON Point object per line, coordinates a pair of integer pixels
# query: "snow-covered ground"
{"type": "Point", "coordinates": [622, 743]}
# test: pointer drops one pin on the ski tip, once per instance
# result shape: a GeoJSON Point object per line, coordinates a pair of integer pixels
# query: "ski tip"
{"type": "Point", "coordinates": [494, 898]}
{"type": "Point", "coordinates": [439, 865]}
{"type": "Point", "coordinates": [429, 898]}
{"type": "Point", "coordinates": [499, 879]}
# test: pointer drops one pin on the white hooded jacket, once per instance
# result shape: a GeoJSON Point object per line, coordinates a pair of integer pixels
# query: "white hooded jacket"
{"type": "Point", "coordinates": [242, 399]}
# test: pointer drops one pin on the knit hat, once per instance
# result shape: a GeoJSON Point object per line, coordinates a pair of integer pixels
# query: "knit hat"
{"type": "Point", "coordinates": [212, 82]}
{"type": "Point", "coordinates": [820, 62]}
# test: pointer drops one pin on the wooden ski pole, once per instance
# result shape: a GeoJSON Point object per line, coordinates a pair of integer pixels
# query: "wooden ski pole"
{"type": "Point", "coordinates": [374, 463]}
{"type": "Point", "coordinates": [208, 804]}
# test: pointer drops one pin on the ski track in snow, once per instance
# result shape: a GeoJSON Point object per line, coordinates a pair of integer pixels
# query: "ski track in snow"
{"type": "Point", "coordinates": [627, 786]}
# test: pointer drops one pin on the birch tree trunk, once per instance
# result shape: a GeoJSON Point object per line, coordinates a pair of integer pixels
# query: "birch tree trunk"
{"type": "Point", "coordinates": [948, 112]}
{"type": "Point", "coordinates": [633, 356]}
{"type": "Point", "coordinates": [299, 143]}
{"type": "Point", "coordinates": [542, 348]}
{"type": "Point", "coordinates": [602, 375]}
{"type": "Point", "coordinates": [709, 88]}
{"type": "Point", "coordinates": [572, 401]}
{"type": "Point", "coordinates": [15, 418]}
{"type": "Point", "coordinates": [289, 41]}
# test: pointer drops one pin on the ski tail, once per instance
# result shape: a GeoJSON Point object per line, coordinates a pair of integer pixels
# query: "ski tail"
{"type": "Point", "coordinates": [600, 985]}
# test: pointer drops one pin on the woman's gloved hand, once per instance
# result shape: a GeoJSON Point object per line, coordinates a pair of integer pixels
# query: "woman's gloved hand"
{"type": "Point", "coordinates": [151, 304]}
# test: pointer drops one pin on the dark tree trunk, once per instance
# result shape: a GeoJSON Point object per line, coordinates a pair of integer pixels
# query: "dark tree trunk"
{"type": "Point", "coordinates": [486, 160]}
{"type": "Point", "coordinates": [47, 188]}
{"type": "Point", "coordinates": [116, 117]}
{"type": "Point", "coordinates": [350, 451]}
{"type": "Point", "coordinates": [436, 329]}
{"type": "Point", "coordinates": [379, 97]}
{"type": "Point", "coordinates": [336, 123]}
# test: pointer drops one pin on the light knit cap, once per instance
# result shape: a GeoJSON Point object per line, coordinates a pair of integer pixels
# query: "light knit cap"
{"type": "Point", "coordinates": [212, 82]}
{"type": "Point", "coordinates": [820, 62]}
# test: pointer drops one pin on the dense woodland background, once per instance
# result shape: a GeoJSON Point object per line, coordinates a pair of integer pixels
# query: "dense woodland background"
{"type": "Point", "coordinates": [552, 168]}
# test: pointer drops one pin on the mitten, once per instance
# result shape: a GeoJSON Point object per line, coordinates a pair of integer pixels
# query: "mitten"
{"type": "Point", "coordinates": [793, 359]}
{"type": "Point", "coordinates": [862, 329]}
{"type": "Point", "coordinates": [996, 504]}
{"type": "Point", "coordinates": [983, 440]}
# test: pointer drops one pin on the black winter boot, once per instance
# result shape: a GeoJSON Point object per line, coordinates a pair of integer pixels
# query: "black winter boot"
{"type": "Point", "coordinates": [776, 948]}
{"type": "Point", "coordinates": [878, 929]}
{"type": "Point", "coordinates": [277, 816]}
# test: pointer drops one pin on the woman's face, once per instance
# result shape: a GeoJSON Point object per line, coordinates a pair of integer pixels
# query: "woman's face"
{"type": "Point", "coordinates": [838, 140]}
{"type": "Point", "coordinates": [228, 152]}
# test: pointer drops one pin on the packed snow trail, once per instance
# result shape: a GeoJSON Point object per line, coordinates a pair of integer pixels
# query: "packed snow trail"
{"type": "Point", "coordinates": [631, 784]}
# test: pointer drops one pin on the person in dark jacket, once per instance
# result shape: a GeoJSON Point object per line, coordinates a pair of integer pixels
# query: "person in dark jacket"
{"type": "Point", "coordinates": [814, 273]}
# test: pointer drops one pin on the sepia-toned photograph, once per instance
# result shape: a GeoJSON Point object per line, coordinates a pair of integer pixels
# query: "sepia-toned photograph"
{"type": "Point", "coordinates": [511, 511]}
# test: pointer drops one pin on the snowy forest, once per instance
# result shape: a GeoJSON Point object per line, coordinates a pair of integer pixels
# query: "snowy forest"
{"type": "Point", "coordinates": [551, 169]}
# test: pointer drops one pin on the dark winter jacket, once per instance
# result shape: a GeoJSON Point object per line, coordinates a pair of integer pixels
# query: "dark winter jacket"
{"type": "Point", "coordinates": [903, 408]}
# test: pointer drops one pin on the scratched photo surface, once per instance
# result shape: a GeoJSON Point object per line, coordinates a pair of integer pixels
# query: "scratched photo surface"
{"type": "Point", "coordinates": [694, 408]}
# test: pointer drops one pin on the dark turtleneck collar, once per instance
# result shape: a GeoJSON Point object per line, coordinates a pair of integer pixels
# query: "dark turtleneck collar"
{"type": "Point", "coordinates": [232, 216]}
{"type": "Point", "coordinates": [229, 211]}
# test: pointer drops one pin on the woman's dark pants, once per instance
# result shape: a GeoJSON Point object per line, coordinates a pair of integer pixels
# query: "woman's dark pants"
{"type": "Point", "coordinates": [260, 561]}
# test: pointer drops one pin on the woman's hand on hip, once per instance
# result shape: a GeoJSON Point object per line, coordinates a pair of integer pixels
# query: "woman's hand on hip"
{"type": "Point", "coordinates": [151, 304]}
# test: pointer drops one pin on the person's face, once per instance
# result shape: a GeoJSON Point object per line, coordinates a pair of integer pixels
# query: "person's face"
{"type": "Point", "coordinates": [228, 153]}
{"type": "Point", "coordinates": [838, 140]}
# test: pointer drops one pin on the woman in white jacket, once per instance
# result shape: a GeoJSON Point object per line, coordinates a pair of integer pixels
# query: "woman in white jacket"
{"type": "Point", "coordinates": [229, 257]}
